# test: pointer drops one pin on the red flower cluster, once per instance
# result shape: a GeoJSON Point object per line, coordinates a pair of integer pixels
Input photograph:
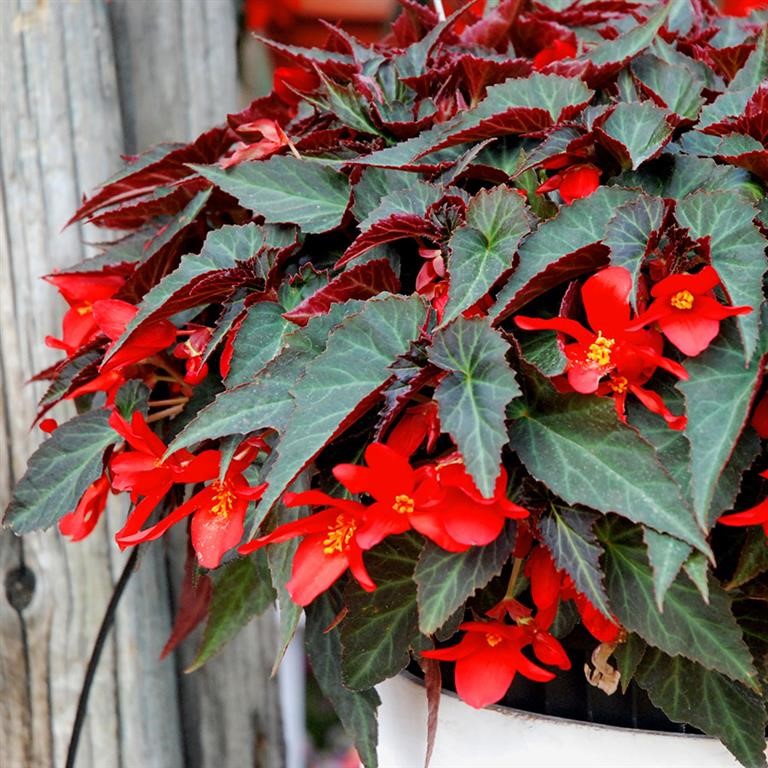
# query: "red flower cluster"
{"type": "Point", "coordinates": [617, 355]}
{"type": "Point", "coordinates": [438, 500]}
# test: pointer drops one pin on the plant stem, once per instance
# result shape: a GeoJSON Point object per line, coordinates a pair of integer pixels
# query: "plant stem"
{"type": "Point", "coordinates": [172, 411]}
{"type": "Point", "coordinates": [93, 662]}
{"type": "Point", "coordinates": [510, 593]}
{"type": "Point", "coordinates": [439, 9]}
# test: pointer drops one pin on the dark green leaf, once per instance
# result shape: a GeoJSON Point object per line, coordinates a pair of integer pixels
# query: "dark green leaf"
{"type": "Point", "coordinates": [413, 199]}
{"type": "Point", "coordinates": [718, 407]}
{"type": "Point", "coordinates": [629, 44]}
{"type": "Point", "coordinates": [266, 401]}
{"type": "Point", "coordinates": [353, 367]}
{"type": "Point", "coordinates": [575, 227]}
{"type": "Point", "coordinates": [381, 626]}
{"type": "Point", "coordinates": [753, 558]}
{"type": "Point", "coordinates": [666, 555]}
{"type": "Point", "coordinates": [375, 184]}
{"type": "Point", "coordinates": [696, 567]}
{"type": "Point", "coordinates": [689, 693]}
{"type": "Point", "coordinates": [260, 336]}
{"type": "Point", "coordinates": [674, 84]}
{"type": "Point", "coordinates": [737, 251]}
{"type": "Point", "coordinates": [629, 235]}
{"type": "Point", "coordinates": [694, 174]}
{"type": "Point", "coordinates": [628, 655]}
{"type": "Point", "coordinates": [484, 247]}
{"type": "Point", "coordinates": [577, 447]}
{"type": "Point", "coordinates": [446, 579]}
{"type": "Point", "coordinates": [636, 132]}
{"type": "Point", "coordinates": [285, 189]}
{"type": "Point", "coordinates": [357, 711]}
{"type": "Point", "coordinates": [60, 471]}
{"type": "Point", "coordinates": [66, 376]}
{"type": "Point", "coordinates": [473, 395]}
{"type": "Point", "coordinates": [202, 277]}
{"type": "Point", "coordinates": [241, 590]}
{"type": "Point", "coordinates": [568, 534]}
{"type": "Point", "coordinates": [543, 351]}
{"type": "Point", "coordinates": [688, 627]}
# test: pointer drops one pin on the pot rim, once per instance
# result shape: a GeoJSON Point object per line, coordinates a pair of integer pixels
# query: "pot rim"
{"type": "Point", "coordinates": [501, 709]}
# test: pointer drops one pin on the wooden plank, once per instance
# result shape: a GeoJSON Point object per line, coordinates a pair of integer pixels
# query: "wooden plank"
{"type": "Point", "coordinates": [68, 112]}
{"type": "Point", "coordinates": [58, 135]}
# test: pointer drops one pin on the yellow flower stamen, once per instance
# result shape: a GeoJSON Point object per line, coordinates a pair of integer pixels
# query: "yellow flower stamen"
{"type": "Point", "coordinates": [619, 385]}
{"type": "Point", "coordinates": [404, 504]}
{"type": "Point", "coordinates": [682, 300]}
{"type": "Point", "coordinates": [492, 639]}
{"type": "Point", "coordinates": [223, 499]}
{"type": "Point", "coordinates": [600, 350]}
{"type": "Point", "coordinates": [339, 535]}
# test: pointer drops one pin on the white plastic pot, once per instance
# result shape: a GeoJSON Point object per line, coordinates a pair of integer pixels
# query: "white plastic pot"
{"type": "Point", "coordinates": [499, 737]}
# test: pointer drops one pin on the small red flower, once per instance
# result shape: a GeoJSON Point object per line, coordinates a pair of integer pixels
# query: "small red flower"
{"type": "Point", "coordinates": [113, 316]}
{"type": "Point", "coordinates": [557, 50]}
{"type": "Point", "coordinates": [331, 544]}
{"type": "Point", "coordinates": [612, 348]}
{"type": "Point", "coordinates": [549, 585]}
{"type": "Point", "coordinates": [193, 350]}
{"type": "Point", "coordinates": [218, 511]}
{"type": "Point", "coordinates": [80, 292]}
{"type": "Point", "coordinates": [145, 473]}
{"type": "Point", "coordinates": [417, 423]}
{"type": "Point", "coordinates": [741, 7]}
{"type": "Point", "coordinates": [487, 659]}
{"type": "Point", "coordinates": [575, 182]}
{"type": "Point", "coordinates": [467, 516]}
{"type": "Point", "coordinates": [79, 524]}
{"type": "Point", "coordinates": [687, 311]}
{"type": "Point", "coordinates": [757, 515]}
{"type": "Point", "coordinates": [404, 497]}
{"type": "Point", "coordinates": [287, 80]}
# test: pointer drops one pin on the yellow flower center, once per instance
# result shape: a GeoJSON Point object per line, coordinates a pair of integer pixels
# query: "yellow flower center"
{"type": "Point", "coordinates": [85, 308]}
{"type": "Point", "coordinates": [600, 350]}
{"type": "Point", "coordinates": [682, 300]}
{"type": "Point", "coordinates": [339, 535]}
{"type": "Point", "coordinates": [403, 504]}
{"type": "Point", "coordinates": [619, 385]}
{"type": "Point", "coordinates": [492, 639]}
{"type": "Point", "coordinates": [223, 499]}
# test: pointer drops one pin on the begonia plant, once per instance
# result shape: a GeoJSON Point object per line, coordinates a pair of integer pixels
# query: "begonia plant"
{"type": "Point", "coordinates": [455, 343]}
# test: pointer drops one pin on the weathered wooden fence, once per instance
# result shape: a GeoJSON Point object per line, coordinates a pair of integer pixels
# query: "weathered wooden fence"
{"type": "Point", "coordinates": [81, 83]}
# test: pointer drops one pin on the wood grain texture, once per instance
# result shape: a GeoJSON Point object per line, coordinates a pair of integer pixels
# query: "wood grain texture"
{"type": "Point", "coordinates": [83, 82]}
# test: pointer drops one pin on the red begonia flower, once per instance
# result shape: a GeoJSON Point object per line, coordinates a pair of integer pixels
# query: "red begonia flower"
{"type": "Point", "coordinates": [757, 515]}
{"type": "Point", "coordinates": [79, 523]}
{"type": "Point", "coordinates": [112, 317]}
{"type": "Point", "coordinates": [331, 544]}
{"type": "Point", "coordinates": [612, 348]}
{"type": "Point", "coordinates": [546, 647]}
{"type": "Point", "coordinates": [741, 7]}
{"type": "Point", "coordinates": [404, 497]}
{"type": "Point", "coordinates": [487, 659]}
{"type": "Point", "coordinates": [192, 350]}
{"type": "Point", "coordinates": [557, 50]}
{"type": "Point", "coordinates": [573, 183]}
{"type": "Point", "coordinates": [80, 292]}
{"type": "Point", "coordinates": [49, 425]}
{"type": "Point", "coordinates": [144, 473]}
{"type": "Point", "coordinates": [287, 80]}
{"type": "Point", "coordinates": [467, 516]}
{"type": "Point", "coordinates": [417, 423]}
{"type": "Point", "coordinates": [549, 585]}
{"type": "Point", "coordinates": [687, 311]}
{"type": "Point", "coordinates": [218, 512]}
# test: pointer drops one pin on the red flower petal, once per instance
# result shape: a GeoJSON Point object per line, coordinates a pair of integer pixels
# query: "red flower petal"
{"type": "Point", "coordinates": [605, 296]}
{"type": "Point", "coordinates": [313, 570]}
